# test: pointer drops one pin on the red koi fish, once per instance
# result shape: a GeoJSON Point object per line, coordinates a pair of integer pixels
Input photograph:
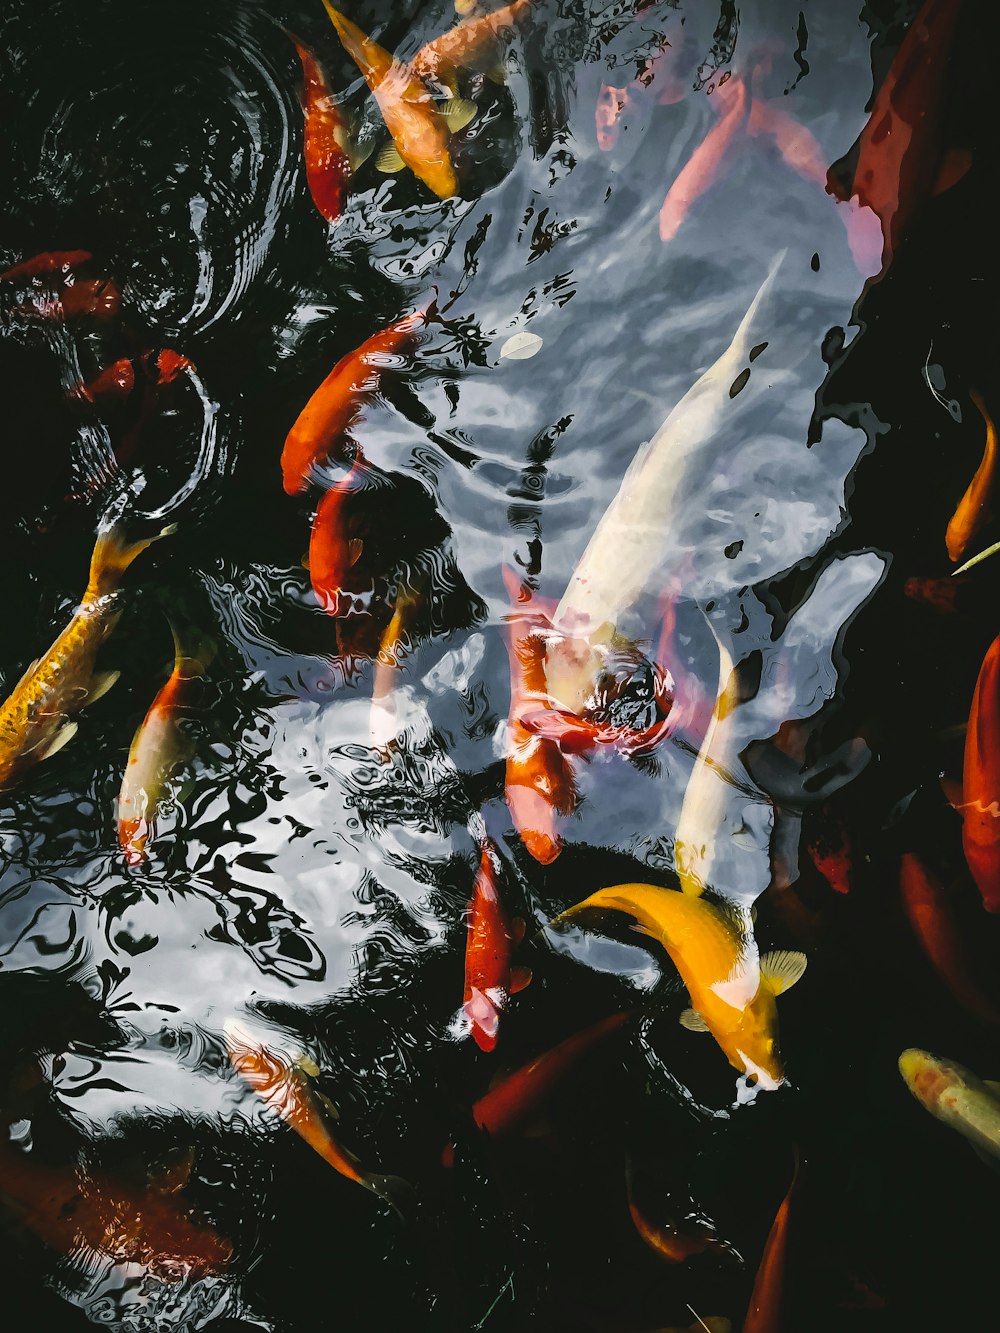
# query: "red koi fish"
{"type": "Point", "coordinates": [701, 169]}
{"type": "Point", "coordinates": [119, 379]}
{"type": "Point", "coordinates": [100, 298]}
{"type": "Point", "coordinates": [327, 141]}
{"type": "Point", "coordinates": [831, 851]}
{"type": "Point", "coordinates": [764, 1314]}
{"type": "Point", "coordinates": [975, 508]}
{"type": "Point", "coordinates": [109, 1217]}
{"type": "Point", "coordinates": [42, 266]}
{"type": "Point", "coordinates": [935, 926]}
{"type": "Point", "coordinates": [981, 782]}
{"type": "Point", "coordinates": [337, 403]}
{"type": "Point", "coordinates": [285, 1086]}
{"type": "Point", "coordinates": [336, 544]}
{"type": "Point", "coordinates": [490, 980]}
{"type": "Point", "coordinates": [943, 595]}
{"type": "Point", "coordinates": [901, 159]}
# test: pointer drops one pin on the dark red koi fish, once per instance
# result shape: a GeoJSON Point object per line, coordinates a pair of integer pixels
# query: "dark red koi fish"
{"type": "Point", "coordinates": [981, 782]}
{"type": "Point", "coordinates": [764, 1314]}
{"type": "Point", "coordinates": [97, 297]}
{"type": "Point", "coordinates": [490, 980]}
{"type": "Point", "coordinates": [119, 379]}
{"type": "Point", "coordinates": [925, 901]}
{"type": "Point", "coordinates": [53, 261]}
{"type": "Point", "coordinates": [944, 595]}
{"type": "Point", "coordinates": [327, 141]}
{"type": "Point", "coordinates": [339, 400]}
{"type": "Point", "coordinates": [831, 851]}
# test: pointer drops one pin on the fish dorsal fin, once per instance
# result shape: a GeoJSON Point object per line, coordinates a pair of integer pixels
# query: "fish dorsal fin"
{"type": "Point", "coordinates": [389, 160]}
{"type": "Point", "coordinates": [457, 112]}
{"type": "Point", "coordinates": [782, 968]}
{"type": "Point", "coordinates": [61, 737]}
{"type": "Point", "coordinates": [693, 1021]}
{"type": "Point", "coordinates": [101, 683]}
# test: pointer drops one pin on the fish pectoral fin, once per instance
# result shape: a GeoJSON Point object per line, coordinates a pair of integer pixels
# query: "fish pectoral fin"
{"type": "Point", "coordinates": [519, 978]}
{"type": "Point", "coordinates": [693, 1021]}
{"type": "Point", "coordinates": [100, 684]}
{"type": "Point", "coordinates": [62, 736]}
{"type": "Point", "coordinates": [517, 929]}
{"type": "Point", "coordinates": [782, 968]}
{"type": "Point", "coordinates": [389, 160]}
{"type": "Point", "coordinates": [457, 112]}
{"type": "Point", "coordinates": [993, 1086]}
{"type": "Point", "coordinates": [307, 1065]}
{"type": "Point", "coordinates": [354, 548]}
{"type": "Point", "coordinates": [497, 75]}
{"type": "Point", "coordinates": [305, 560]}
{"type": "Point", "coordinates": [986, 1157]}
{"type": "Point", "coordinates": [326, 1104]}
{"type": "Point", "coordinates": [638, 927]}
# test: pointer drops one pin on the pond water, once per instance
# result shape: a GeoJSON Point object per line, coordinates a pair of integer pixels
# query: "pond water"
{"type": "Point", "coordinates": [750, 249]}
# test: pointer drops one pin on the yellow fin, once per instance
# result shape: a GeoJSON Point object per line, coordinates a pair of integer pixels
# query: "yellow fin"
{"type": "Point", "coordinates": [64, 734]}
{"type": "Point", "coordinates": [497, 75]}
{"type": "Point", "coordinates": [307, 1066]}
{"type": "Point", "coordinates": [389, 160]}
{"type": "Point", "coordinates": [27, 673]}
{"type": "Point", "coordinates": [782, 968]}
{"type": "Point", "coordinates": [101, 683]}
{"type": "Point", "coordinates": [992, 1086]}
{"type": "Point", "coordinates": [693, 1021]}
{"type": "Point", "coordinates": [457, 113]}
{"type": "Point", "coordinates": [325, 1102]}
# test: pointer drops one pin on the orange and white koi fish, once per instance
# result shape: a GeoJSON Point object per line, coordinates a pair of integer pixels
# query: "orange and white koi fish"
{"type": "Point", "coordinates": [471, 45]}
{"type": "Point", "coordinates": [957, 1097]}
{"type": "Point", "coordinates": [934, 923]}
{"type": "Point", "coordinates": [329, 150]}
{"type": "Point", "coordinates": [285, 1085]}
{"type": "Point", "coordinates": [420, 133]}
{"type": "Point", "coordinates": [337, 403]}
{"type": "Point", "coordinates": [69, 1210]}
{"type": "Point", "coordinates": [981, 782]}
{"type": "Point", "coordinates": [975, 508]}
{"type": "Point", "coordinates": [159, 748]}
{"type": "Point", "coordinates": [764, 1314]}
{"type": "Point", "coordinates": [34, 719]}
{"type": "Point", "coordinates": [44, 265]}
{"type": "Point", "coordinates": [490, 980]}
{"type": "Point", "coordinates": [732, 989]}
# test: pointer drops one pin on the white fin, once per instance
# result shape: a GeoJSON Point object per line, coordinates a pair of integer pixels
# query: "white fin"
{"type": "Point", "coordinates": [782, 969]}
{"type": "Point", "coordinates": [457, 112]}
{"type": "Point", "coordinates": [389, 160]}
{"type": "Point", "coordinates": [62, 736]}
{"type": "Point", "coordinates": [100, 684]}
{"type": "Point", "coordinates": [693, 1021]}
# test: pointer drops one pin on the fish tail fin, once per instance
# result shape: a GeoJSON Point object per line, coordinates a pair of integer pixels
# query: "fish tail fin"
{"type": "Point", "coordinates": [396, 1191]}
{"type": "Point", "coordinates": [194, 652]}
{"type": "Point", "coordinates": [113, 554]}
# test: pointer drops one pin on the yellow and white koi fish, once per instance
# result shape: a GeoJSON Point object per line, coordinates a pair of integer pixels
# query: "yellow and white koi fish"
{"type": "Point", "coordinates": [957, 1097]}
{"type": "Point", "coordinates": [34, 720]}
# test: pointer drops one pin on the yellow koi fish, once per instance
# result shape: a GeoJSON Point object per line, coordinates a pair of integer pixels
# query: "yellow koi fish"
{"type": "Point", "coordinates": [34, 720]}
{"type": "Point", "coordinates": [732, 988]}
{"type": "Point", "coordinates": [420, 132]}
{"type": "Point", "coordinates": [957, 1097]}
{"type": "Point", "coordinates": [159, 748]}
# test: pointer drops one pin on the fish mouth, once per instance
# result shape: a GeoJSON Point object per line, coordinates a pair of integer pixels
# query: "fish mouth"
{"type": "Point", "coordinates": [924, 1074]}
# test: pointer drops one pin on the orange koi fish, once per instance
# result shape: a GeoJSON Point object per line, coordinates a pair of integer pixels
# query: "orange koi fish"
{"type": "Point", "coordinates": [159, 748]}
{"type": "Point", "coordinates": [732, 988]}
{"type": "Point", "coordinates": [335, 546]}
{"type": "Point", "coordinates": [675, 1239]}
{"type": "Point", "coordinates": [329, 154]}
{"type": "Point", "coordinates": [933, 920]}
{"type": "Point", "coordinates": [34, 719]}
{"type": "Point", "coordinates": [900, 150]}
{"type": "Point", "coordinates": [981, 782]}
{"type": "Point", "coordinates": [53, 261]}
{"type": "Point", "coordinates": [975, 507]}
{"type": "Point", "coordinates": [701, 169]}
{"type": "Point", "coordinates": [69, 1210]}
{"type": "Point", "coordinates": [470, 45]}
{"type": "Point", "coordinates": [764, 1314]}
{"type": "Point", "coordinates": [490, 980]}
{"type": "Point", "coordinates": [286, 1087]}
{"type": "Point", "coordinates": [337, 403]}
{"type": "Point", "coordinates": [119, 379]}
{"type": "Point", "coordinates": [420, 133]}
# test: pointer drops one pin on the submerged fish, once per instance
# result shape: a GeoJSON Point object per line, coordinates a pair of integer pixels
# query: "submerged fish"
{"type": "Point", "coordinates": [286, 1087]}
{"type": "Point", "coordinates": [159, 748]}
{"type": "Point", "coordinates": [490, 980]}
{"type": "Point", "coordinates": [702, 167]}
{"type": "Point", "coordinates": [975, 507]}
{"type": "Point", "coordinates": [981, 782]}
{"type": "Point", "coordinates": [471, 45]}
{"type": "Point", "coordinates": [330, 155]}
{"type": "Point", "coordinates": [43, 265]}
{"type": "Point", "coordinates": [957, 1097]}
{"type": "Point", "coordinates": [337, 403]}
{"type": "Point", "coordinates": [674, 1237]}
{"type": "Point", "coordinates": [34, 719]}
{"type": "Point", "coordinates": [420, 132]}
{"type": "Point", "coordinates": [336, 545]}
{"type": "Point", "coordinates": [732, 989]}
{"type": "Point", "coordinates": [764, 1314]}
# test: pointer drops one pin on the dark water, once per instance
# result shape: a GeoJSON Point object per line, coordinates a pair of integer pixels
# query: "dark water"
{"type": "Point", "coordinates": [312, 878]}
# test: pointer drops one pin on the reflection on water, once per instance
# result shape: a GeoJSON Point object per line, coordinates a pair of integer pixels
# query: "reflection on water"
{"type": "Point", "coordinates": [610, 603]}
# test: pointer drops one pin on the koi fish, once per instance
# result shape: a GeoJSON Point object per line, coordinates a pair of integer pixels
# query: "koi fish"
{"type": "Point", "coordinates": [336, 543]}
{"type": "Point", "coordinates": [118, 380]}
{"type": "Point", "coordinates": [490, 980]}
{"type": "Point", "coordinates": [975, 508]}
{"type": "Point", "coordinates": [713, 1323]}
{"type": "Point", "coordinates": [67, 1210]}
{"type": "Point", "coordinates": [34, 719]}
{"type": "Point", "coordinates": [159, 748]}
{"type": "Point", "coordinates": [42, 266]}
{"type": "Point", "coordinates": [831, 851]}
{"type": "Point", "coordinates": [981, 782]}
{"type": "Point", "coordinates": [764, 1314]}
{"type": "Point", "coordinates": [337, 403]}
{"type": "Point", "coordinates": [470, 45]}
{"type": "Point", "coordinates": [286, 1087]}
{"type": "Point", "coordinates": [732, 989]}
{"type": "Point", "coordinates": [945, 595]}
{"type": "Point", "coordinates": [675, 1238]}
{"type": "Point", "coordinates": [933, 920]}
{"type": "Point", "coordinates": [329, 151]}
{"type": "Point", "coordinates": [957, 1097]}
{"type": "Point", "coordinates": [420, 132]}
{"type": "Point", "coordinates": [701, 169]}
{"type": "Point", "coordinates": [97, 297]}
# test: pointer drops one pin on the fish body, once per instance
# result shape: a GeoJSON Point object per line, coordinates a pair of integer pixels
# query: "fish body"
{"type": "Point", "coordinates": [489, 977]}
{"type": "Point", "coordinates": [955, 1096]}
{"type": "Point", "coordinates": [327, 141]}
{"type": "Point", "coordinates": [702, 168]}
{"type": "Point", "coordinates": [470, 45]}
{"type": "Point", "coordinates": [34, 717]}
{"type": "Point", "coordinates": [976, 506]}
{"type": "Point", "coordinates": [336, 543]}
{"type": "Point", "coordinates": [338, 401]}
{"type": "Point", "coordinates": [765, 1312]}
{"type": "Point", "coordinates": [44, 265]}
{"type": "Point", "coordinates": [981, 782]}
{"type": "Point", "coordinates": [674, 1238]}
{"type": "Point", "coordinates": [158, 749]}
{"type": "Point", "coordinates": [732, 989]}
{"type": "Point", "coordinates": [418, 130]}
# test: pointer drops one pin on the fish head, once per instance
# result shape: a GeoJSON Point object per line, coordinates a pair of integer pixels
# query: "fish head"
{"type": "Point", "coordinates": [754, 1041]}
{"type": "Point", "coordinates": [927, 1076]}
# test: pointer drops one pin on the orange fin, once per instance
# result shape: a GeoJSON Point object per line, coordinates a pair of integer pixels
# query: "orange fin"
{"type": "Point", "coordinates": [519, 978]}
